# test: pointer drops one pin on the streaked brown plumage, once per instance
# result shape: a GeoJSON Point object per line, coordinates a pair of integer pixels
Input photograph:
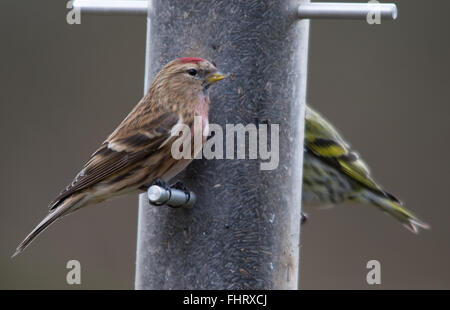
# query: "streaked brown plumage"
{"type": "Point", "coordinates": [139, 150]}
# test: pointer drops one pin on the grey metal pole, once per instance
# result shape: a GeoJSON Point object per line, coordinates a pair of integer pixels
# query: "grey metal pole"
{"type": "Point", "coordinates": [243, 232]}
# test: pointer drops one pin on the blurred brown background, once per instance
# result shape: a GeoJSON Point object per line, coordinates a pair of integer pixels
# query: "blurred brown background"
{"type": "Point", "coordinates": [64, 88]}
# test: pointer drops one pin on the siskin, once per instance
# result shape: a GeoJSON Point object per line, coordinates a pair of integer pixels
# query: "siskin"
{"type": "Point", "coordinates": [333, 173]}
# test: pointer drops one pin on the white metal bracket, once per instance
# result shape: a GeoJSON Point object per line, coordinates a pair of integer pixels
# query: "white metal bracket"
{"type": "Point", "coordinates": [315, 10]}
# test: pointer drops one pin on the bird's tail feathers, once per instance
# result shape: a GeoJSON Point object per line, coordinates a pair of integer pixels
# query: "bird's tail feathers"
{"type": "Point", "coordinates": [396, 210]}
{"type": "Point", "coordinates": [67, 206]}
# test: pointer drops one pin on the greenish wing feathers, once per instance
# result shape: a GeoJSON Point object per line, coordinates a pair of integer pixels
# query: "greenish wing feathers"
{"type": "Point", "coordinates": [323, 140]}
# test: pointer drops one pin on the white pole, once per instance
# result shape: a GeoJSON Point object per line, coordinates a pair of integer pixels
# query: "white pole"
{"type": "Point", "coordinates": [331, 10]}
{"type": "Point", "coordinates": [316, 10]}
{"type": "Point", "coordinates": [112, 7]}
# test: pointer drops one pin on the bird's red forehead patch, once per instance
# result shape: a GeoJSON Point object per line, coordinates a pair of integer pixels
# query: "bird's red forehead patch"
{"type": "Point", "coordinates": [187, 60]}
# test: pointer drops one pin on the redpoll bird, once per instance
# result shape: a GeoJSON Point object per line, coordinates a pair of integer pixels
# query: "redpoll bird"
{"type": "Point", "coordinates": [333, 173]}
{"type": "Point", "coordinates": [139, 150]}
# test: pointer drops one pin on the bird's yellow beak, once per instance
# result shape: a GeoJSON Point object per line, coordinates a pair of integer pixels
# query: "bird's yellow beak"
{"type": "Point", "coordinates": [215, 77]}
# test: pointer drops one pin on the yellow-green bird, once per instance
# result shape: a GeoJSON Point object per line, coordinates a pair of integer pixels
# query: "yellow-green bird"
{"type": "Point", "coordinates": [333, 173]}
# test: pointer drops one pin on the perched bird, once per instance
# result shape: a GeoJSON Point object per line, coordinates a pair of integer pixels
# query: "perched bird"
{"type": "Point", "coordinates": [139, 150]}
{"type": "Point", "coordinates": [334, 173]}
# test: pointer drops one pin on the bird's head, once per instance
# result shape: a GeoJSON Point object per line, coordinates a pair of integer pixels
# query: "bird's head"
{"type": "Point", "coordinates": [187, 77]}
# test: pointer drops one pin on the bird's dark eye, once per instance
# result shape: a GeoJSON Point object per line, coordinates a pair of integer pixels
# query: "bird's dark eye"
{"type": "Point", "coordinates": [192, 72]}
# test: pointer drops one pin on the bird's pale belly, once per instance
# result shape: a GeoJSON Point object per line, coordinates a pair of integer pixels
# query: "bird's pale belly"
{"type": "Point", "coordinates": [322, 184]}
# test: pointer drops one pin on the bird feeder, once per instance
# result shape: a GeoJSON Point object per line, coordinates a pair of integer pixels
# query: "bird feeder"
{"type": "Point", "coordinates": [244, 230]}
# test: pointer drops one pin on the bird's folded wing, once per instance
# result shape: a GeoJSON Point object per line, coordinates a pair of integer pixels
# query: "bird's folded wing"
{"type": "Point", "coordinates": [323, 140]}
{"type": "Point", "coordinates": [129, 144]}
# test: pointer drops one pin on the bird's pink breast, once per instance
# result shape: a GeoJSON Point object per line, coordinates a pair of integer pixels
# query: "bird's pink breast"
{"type": "Point", "coordinates": [202, 110]}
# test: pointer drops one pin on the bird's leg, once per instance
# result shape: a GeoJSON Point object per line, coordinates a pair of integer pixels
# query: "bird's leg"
{"type": "Point", "coordinates": [180, 185]}
{"type": "Point", "coordinates": [303, 218]}
{"type": "Point", "coordinates": [186, 201]}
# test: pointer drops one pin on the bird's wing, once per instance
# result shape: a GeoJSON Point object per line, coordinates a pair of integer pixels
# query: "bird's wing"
{"type": "Point", "coordinates": [323, 140]}
{"type": "Point", "coordinates": [129, 144]}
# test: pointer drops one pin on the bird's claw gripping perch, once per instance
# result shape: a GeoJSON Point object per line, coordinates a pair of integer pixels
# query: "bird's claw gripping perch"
{"type": "Point", "coordinates": [303, 218]}
{"type": "Point", "coordinates": [174, 196]}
